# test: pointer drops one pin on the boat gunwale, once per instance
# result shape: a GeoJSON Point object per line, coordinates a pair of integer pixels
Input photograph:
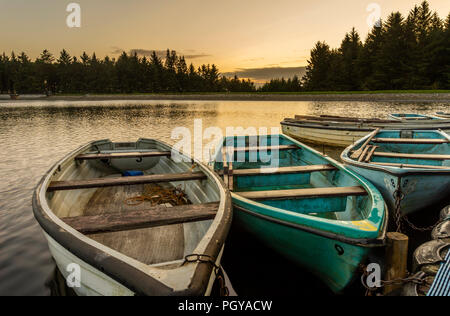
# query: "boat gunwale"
{"type": "Point", "coordinates": [392, 170]}
{"type": "Point", "coordinates": [370, 189]}
{"type": "Point", "coordinates": [128, 274]}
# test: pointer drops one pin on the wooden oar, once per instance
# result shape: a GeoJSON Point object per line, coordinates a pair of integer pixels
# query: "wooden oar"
{"type": "Point", "coordinates": [358, 152]}
{"type": "Point", "coordinates": [365, 151]}
{"type": "Point", "coordinates": [372, 151]}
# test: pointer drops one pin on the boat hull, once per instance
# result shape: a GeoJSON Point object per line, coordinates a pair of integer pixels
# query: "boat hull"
{"type": "Point", "coordinates": [411, 177]}
{"type": "Point", "coordinates": [330, 137]}
{"type": "Point", "coordinates": [92, 282]}
{"type": "Point", "coordinates": [338, 135]}
{"type": "Point", "coordinates": [420, 190]}
{"type": "Point", "coordinates": [320, 255]}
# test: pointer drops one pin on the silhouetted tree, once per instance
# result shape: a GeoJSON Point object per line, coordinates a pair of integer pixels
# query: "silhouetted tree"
{"type": "Point", "coordinates": [411, 53]}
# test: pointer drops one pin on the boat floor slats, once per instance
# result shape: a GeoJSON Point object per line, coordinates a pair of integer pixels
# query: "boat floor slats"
{"type": "Point", "coordinates": [124, 155]}
{"type": "Point", "coordinates": [266, 148]}
{"type": "Point", "coordinates": [304, 193]}
{"type": "Point", "coordinates": [410, 141]}
{"type": "Point", "coordinates": [400, 165]}
{"type": "Point", "coordinates": [412, 156]}
{"type": "Point", "coordinates": [149, 245]}
{"type": "Point", "coordinates": [120, 181]}
{"type": "Point", "coordinates": [152, 217]}
{"type": "Point", "coordinates": [283, 170]}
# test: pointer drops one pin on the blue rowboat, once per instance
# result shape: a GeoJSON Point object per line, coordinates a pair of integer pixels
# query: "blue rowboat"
{"type": "Point", "coordinates": [412, 117]}
{"type": "Point", "coordinates": [413, 166]}
{"type": "Point", "coordinates": [304, 205]}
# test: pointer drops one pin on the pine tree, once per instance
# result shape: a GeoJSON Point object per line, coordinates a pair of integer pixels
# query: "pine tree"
{"type": "Point", "coordinates": [316, 77]}
{"type": "Point", "coordinates": [46, 73]}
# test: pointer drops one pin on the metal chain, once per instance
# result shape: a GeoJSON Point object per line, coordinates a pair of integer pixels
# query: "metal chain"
{"type": "Point", "coordinates": [398, 196]}
{"type": "Point", "coordinates": [383, 283]}
{"type": "Point", "coordinates": [399, 218]}
{"type": "Point", "coordinates": [196, 258]}
{"type": "Point", "coordinates": [422, 229]}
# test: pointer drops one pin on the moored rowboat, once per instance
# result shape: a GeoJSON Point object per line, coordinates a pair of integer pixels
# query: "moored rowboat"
{"type": "Point", "coordinates": [303, 205]}
{"type": "Point", "coordinates": [411, 165]}
{"type": "Point", "coordinates": [343, 131]}
{"type": "Point", "coordinates": [412, 117]}
{"type": "Point", "coordinates": [134, 219]}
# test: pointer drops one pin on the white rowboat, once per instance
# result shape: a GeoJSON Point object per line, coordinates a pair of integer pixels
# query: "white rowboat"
{"type": "Point", "coordinates": [342, 131]}
{"type": "Point", "coordinates": [147, 248]}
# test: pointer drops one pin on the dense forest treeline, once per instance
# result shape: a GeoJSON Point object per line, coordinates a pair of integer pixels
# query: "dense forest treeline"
{"type": "Point", "coordinates": [401, 53]}
{"type": "Point", "coordinates": [128, 74]}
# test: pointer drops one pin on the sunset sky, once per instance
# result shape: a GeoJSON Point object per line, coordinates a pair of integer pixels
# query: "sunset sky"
{"type": "Point", "coordinates": [255, 38]}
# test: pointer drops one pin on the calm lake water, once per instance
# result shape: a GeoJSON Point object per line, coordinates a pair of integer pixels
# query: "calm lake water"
{"type": "Point", "coordinates": [35, 134]}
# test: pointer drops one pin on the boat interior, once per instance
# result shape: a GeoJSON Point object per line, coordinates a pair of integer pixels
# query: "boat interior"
{"type": "Point", "coordinates": [415, 149]}
{"type": "Point", "coordinates": [278, 172]}
{"type": "Point", "coordinates": [134, 198]}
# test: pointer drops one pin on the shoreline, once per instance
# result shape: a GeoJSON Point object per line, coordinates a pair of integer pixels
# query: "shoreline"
{"type": "Point", "coordinates": [359, 97]}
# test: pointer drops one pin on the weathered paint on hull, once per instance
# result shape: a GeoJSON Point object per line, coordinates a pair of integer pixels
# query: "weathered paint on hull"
{"type": "Point", "coordinates": [317, 254]}
{"type": "Point", "coordinates": [330, 137]}
{"type": "Point", "coordinates": [420, 190]}
{"type": "Point", "coordinates": [92, 281]}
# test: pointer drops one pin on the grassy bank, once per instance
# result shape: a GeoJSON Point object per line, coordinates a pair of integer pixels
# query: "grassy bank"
{"type": "Point", "coordinates": [267, 93]}
{"type": "Point", "coordinates": [426, 96]}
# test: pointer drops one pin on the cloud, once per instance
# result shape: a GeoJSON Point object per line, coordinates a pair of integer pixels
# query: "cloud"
{"type": "Point", "coordinates": [196, 56]}
{"type": "Point", "coordinates": [267, 73]}
{"type": "Point", "coordinates": [160, 53]}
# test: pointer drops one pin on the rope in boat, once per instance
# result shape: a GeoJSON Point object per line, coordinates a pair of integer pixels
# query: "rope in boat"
{"type": "Point", "coordinates": [157, 195]}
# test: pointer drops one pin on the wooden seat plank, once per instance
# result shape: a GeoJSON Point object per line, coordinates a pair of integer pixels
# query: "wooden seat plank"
{"type": "Point", "coordinates": [120, 181]}
{"type": "Point", "coordinates": [152, 217]}
{"type": "Point", "coordinates": [410, 141]}
{"type": "Point", "coordinates": [123, 155]}
{"type": "Point", "coordinates": [283, 170]}
{"type": "Point", "coordinates": [412, 156]}
{"type": "Point", "coordinates": [304, 193]}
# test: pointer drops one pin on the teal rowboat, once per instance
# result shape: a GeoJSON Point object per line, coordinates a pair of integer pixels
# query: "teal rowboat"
{"type": "Point", "coordinates": [410, 167]}
{"type": "Point", "coordinates": [303, 205]}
